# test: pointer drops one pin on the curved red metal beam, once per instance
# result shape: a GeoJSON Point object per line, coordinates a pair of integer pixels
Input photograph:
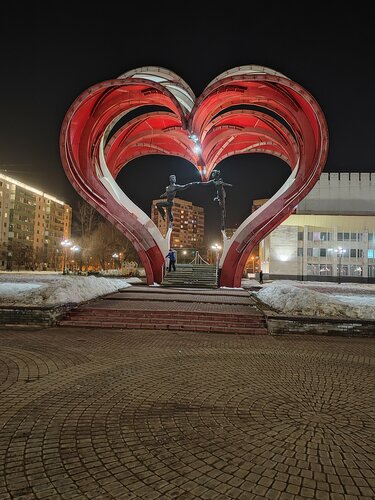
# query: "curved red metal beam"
{"type": "Point", "coordinates": [85, 125]}
{"type": "Point", "coordinates": [305, 118]}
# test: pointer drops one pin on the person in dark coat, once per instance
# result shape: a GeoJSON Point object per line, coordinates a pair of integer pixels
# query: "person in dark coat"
{"type": "Point", "coordinates": [172, 260]}
{"type": "Point", "coordinates": [260, 276]}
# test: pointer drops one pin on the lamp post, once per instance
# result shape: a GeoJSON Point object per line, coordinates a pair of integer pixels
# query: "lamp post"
{"type": "Point", "coordinates": [56, 259]}
{"type": "Point", "coordinates": [75, 248]}
{"type": "Point", "coordinates": [252, 260]}
{"type": "Point", "coordinates": [217, 248]}
{"type": "Point", "coordinates": [184, 253]}
{"type": "Point", "coordinates": [65, 244]}
{"type": "Point", "coordinates": [340, 251]}
{"type": "Point", "coordinates": [115, 256]}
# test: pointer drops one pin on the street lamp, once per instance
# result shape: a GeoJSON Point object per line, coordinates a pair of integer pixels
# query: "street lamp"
{"type": "Point", "coordinates": [74, 248]}
{"type": "Point", "coordinates": [252, 260]}
{"type": "Point", "coordinates": [340, 251]}
{"type": "Point", "coordinates": [65, 244]}
{"type": "Point", "coordinates": [115, 256]}
{"type": "Point", "coordinates": [217, 248]}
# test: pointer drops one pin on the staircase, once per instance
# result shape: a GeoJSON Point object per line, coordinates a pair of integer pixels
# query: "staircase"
{"type": "Point", "coordinates": [158, 309]}
{"type": "Point", "coordinates": [191, 276]}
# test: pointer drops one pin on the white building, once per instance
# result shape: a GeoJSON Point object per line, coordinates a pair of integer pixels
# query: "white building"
{"type": "Point", "coordinates": [331, 236]}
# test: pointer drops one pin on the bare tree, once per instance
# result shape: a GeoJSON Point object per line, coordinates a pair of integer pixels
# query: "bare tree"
{"type": "Point", "coordinates": [20, 255]}
{"type": "Point", "coordinates": [99, 239]}
{"type": "Point", "coordinates": [107, 240]}
{"type": "Point", "coordinates": [39, 258]}
{"type": "Point", "coordinates": [87, 218]}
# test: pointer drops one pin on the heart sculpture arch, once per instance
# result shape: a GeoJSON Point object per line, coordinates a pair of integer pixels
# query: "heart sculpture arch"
{"type": "Point", "coordinates": [248, 109]}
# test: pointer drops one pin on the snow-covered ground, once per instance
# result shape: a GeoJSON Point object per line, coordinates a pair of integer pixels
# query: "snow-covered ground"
{"type": "Point", "coordinates": [298, 298]}
{"type": "Point", "coordinates": [49, 289]}
{"type": "Point", "coordinates": [312, 298]}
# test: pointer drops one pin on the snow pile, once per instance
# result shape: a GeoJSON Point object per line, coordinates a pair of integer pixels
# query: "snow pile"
{"type": "Point", "coordinates": [294, 300]}
{"type": "Point", "coordinates": [56, 290]}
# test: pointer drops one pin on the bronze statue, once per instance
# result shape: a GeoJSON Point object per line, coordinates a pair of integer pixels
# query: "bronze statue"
{"type": "Point", "coordinates": [170, 194]}
{"type": "Point", "coordinates": [220, 193]}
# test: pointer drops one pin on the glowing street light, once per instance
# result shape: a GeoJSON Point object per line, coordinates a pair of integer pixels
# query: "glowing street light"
{"type": "Point", "coordinates": [217, 248]}
{"type": "Point", "coordinates": [340, 251]}
{"type": "Point", "coordinates": [115, 257]}
{"type": "Point", "coordinates": [65, 244]}
{"type": "Point", "coordinates": [74, 249]}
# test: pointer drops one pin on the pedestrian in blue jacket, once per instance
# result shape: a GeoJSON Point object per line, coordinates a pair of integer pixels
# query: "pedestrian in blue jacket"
{"type": "Point", "coordinates": [172, 260]}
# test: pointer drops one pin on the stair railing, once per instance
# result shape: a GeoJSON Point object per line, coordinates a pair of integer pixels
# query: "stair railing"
{"type": "Point", "coordinates": [198, 259]}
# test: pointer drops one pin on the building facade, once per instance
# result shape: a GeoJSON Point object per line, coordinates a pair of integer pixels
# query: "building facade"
{"type": "Point", "coordinates": [33, 224]}
{"type": "Point", "coordinates": [331, 235]}
{"type": "Point", "coordinates": [187, 226]}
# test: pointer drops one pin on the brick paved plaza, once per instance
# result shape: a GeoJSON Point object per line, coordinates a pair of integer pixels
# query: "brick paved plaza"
{"type": "Point", "coordinates": [123, 414]}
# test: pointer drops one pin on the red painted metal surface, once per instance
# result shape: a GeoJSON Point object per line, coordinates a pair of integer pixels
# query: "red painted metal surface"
{"type": "Point", "coordinates": [284, 120]}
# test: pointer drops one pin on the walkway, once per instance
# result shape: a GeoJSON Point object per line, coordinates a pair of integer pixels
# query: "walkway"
{"type": "Point", "coordinates": [114, 414]}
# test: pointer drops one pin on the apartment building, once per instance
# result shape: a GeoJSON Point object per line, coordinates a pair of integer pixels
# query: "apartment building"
{"type": "Point", "coordinates": [33, 224]}
{"type": "Point", "coordinates": [188, 223]}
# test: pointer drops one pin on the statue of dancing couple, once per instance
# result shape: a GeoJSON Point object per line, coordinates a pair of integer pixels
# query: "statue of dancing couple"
{"type": "Point", "coordinates": [173, 188]}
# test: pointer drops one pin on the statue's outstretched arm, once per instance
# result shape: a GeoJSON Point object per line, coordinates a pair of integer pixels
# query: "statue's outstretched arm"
{"type": "Point", "coordinates": [185, 186]}
{"type": "Point", "coordinates": [205, 183]}
{"type": "Point", "coordinates": [226, 184]}
{"type": "Point", "coordinates": [164, 195]}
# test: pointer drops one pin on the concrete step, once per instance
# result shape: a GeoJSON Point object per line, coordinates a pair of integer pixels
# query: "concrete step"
{"type": "Point", "coordinates": [127, 325]}
{"type": "Point", "coordinates": [188, 275]}
{"type": "Point", "coordinates": [245, 324]}
{"type": "Point", "coordinates": [158, 316]}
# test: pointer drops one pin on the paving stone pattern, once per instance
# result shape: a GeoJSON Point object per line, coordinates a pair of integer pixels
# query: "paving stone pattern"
{"type": "Point", "coordinates": [110, 414]}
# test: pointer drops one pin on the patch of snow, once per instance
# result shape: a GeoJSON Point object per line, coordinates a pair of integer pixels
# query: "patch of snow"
{"type": "Point", "coordinates": [42, 290]}
{"type": "Point", "coordinates": [296, 300]}
{"type": "Point", "coordinates": [356, 300]}
{"type": "Point", "coordinates": [134, 279]}
{"type": "Point", "coordinates": [10, 289]}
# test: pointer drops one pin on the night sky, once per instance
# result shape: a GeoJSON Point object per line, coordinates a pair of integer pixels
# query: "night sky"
{"type": "Point", "coordinates": [48, 59]}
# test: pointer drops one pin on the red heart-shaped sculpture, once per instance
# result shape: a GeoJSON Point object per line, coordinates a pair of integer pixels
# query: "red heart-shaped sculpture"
{"type": "Point", "coordinates": [247, 109]}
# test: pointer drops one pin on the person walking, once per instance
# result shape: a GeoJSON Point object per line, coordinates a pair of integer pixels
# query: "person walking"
{"type": "Point", "coordinates": [260, 276]}
{"type": "Point", "coordinates": [172, 260]}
